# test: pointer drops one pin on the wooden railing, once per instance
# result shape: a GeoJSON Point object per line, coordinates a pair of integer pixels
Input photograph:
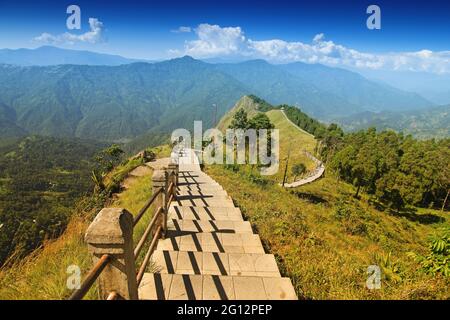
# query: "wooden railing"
{"type": "Point", "coordinates": [110, 242]}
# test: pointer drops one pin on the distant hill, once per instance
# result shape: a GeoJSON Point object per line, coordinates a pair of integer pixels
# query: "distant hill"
{"type": "Point", "coordinates": [48, 55]}
{"type": "Point", "coordinates": [292, 141]}
{"type": "Point", "coordinates": [116, 103]}
{"type": "Point", "coordinates": [142, 102]}
{"type": "Point", "coordinates": [278, 86]}
{"type": "Point", "coordinates": [425, 124]}
{"type": "Point", "coordinates": [8, 126]}
{"type": "Point", "coordinates": [251, 104]}
{"type": "Point", "coordinates": [356, 89]}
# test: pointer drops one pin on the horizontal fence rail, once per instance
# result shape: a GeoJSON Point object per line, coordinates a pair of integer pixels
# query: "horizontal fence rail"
{"type": "Point", "coordinates": [147, 232]}
{"type": "Point", "coordinates": [148, 255]}
{"type": "Point", "coordinates": [90, 278]}
{"type": "Point", "coordinates": [147, 205]}
{"type": "Point", "coordinates": [164, 192]}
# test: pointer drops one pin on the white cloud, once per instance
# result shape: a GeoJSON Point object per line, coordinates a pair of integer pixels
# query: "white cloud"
{"type": "Point", "coordinates": [216, 41]}
{"type": "Point", "coordinates": [182, 30]}
{"type": "Point", "coordinates": [94, 35]}
{"type": "Point", "coordinates": [319, 37]}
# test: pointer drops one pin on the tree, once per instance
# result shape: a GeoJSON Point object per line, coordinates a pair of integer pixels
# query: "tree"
{"type": "Point", "coordinates": [298, 169]}
{"type": "Point", "coordinates": [240, 120]}
{"type": "Point", "coordinates": [260, 121]}
{"type": "Point", "coordinates": [108, 158]}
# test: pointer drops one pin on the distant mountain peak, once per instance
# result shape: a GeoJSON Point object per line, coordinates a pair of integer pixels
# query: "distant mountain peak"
{"type": "Point", "coordinates": [256, 62]}
{"type": "Point", "coordinates": [51, 55]}
{"type": "Point", "coordinates": [250, 104]}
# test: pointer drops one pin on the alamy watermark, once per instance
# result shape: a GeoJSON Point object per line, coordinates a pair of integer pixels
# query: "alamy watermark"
{"type": "Point", "coordinates": [374, 20]}
{"type": "Point", "coordinates": [74, 277]}
{"type": "Point", "coordinates": [74, 20]}
{"type": "Point", "coordinates": [374, 277]}
{"type": "Point", "coordinates": [238, 146]}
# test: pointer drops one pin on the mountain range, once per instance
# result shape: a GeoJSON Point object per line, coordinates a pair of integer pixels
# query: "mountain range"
{"type": "Point", "coordinates": [49, 55]}
{"type": "Point", "coordinates": [425, 124]}
{"type": "Point", "coordinates": [108, 98]}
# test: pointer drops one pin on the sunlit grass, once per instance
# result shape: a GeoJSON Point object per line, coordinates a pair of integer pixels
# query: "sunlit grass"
{"type": "Point", "coordinates": [327, 258]}
{"type": "Point", "coordinates": [292, 142]}
{"type": "Point", "coordinates": [43, 274]}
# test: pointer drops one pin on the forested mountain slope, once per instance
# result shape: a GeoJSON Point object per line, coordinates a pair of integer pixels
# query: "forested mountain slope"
{"type": "Point", "coordinates": [140, 100]}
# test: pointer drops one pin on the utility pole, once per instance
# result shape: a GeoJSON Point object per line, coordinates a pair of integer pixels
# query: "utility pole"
{"type": "Point", "coordinates": [287, 162]}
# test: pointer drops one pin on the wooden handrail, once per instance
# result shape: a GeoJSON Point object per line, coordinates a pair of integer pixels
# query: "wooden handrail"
{"type": "Point", "coordinates": [170, 188]}
{"type": "Point", "coordinates": [170, 198]}
{"type": "Point", "coordinates": [91, 277]}
{"type": "Point", "coordinates": [146, 206]}
{"type": "Point", "coordinates": [169, 194]}
{"type": "Point", "coordinates": [147, 232]}
{"type": "Point", "coordinates": [149, 253]}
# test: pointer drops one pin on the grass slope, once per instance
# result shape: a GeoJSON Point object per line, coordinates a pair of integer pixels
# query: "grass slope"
{"type": "Point", "coordinates": [291, 138]}
{"type": "Point", "coordinates": [324, 239]}
{"type": "Point", "coordinates": [294, 140]}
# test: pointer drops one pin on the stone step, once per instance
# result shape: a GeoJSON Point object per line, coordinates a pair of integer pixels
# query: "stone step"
{"type": "Point", "coordinates": [195, 176]}
{"type": "Point", "coordinates": [213, 242]}
{"type": "Point", "coordinates": [225, 264]}
{"type": "Point", "coordinates": [160, 286]}
{"type": "Point", "coordinates": [202, 195]}
{"type": "Point", "coordinates": [203, 202]}
{"type": "Point", "coordinates": [202, 192]}
{"type": "Point", "coordinates": [186, 226]}
{"type": "Point", "coordinates": [201, 185]}
{"type": "Point", "coordinates": [204, 213]}
{"type": "Point", "coordinates": [202, 189]}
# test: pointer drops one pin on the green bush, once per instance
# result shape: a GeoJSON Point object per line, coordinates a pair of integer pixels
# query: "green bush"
{"type": "Point", "coordinates": [437, 260]}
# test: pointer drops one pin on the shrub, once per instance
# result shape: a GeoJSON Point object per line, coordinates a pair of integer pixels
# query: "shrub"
{"type": "Point", "coordinates": [437, 260]}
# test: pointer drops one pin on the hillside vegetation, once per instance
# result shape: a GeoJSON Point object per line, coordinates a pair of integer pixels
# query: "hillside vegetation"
{"type": "Point", "coordinates": [326, 234]}
{"type": "Point", "coordinates": [293, 140]}
{"type": "Point", "coordinates": [294, 143]}
{"type": "Point", "coordinates": [423, 124]}
{"type": "Point", "coordinates": [41, 178]}
{"type": "Point", "coordinates": [325, 239]}
{"type": "Point", "coordinates": [251, 104]}
{"type": "Point", "coordinates": [43, 273]}
{"type": "Point", "coordinates": [147, 100]}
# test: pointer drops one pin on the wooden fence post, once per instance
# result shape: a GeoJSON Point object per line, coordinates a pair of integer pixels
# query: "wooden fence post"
{"type": "Point", "coordinates": [159, 180]}
{"type": "Point", "coordinates": [111, 233]}
{"type": "Point", "coordinates": [173, 169]}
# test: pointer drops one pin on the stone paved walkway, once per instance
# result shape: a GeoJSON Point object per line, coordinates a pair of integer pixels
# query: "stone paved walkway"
{"type": "Point", "coordinates": [210, 252]}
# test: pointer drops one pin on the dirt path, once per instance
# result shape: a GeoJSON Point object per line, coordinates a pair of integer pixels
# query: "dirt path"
{"type": "Point", "coordinates": [143, 170]}
{"type": "Point", "coordinates": [318, 171]}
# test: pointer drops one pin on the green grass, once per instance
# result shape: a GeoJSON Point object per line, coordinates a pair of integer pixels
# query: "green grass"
{"type": "Point", "coordinates": [324, 239]}
{"type": "Point", "coordinates": [326, 253]}
{"type": "Point", "coordinates": [294, 140]}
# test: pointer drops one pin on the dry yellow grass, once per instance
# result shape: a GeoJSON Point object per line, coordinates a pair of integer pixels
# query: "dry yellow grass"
{"type": "Point", "coordinates": [43, 274]}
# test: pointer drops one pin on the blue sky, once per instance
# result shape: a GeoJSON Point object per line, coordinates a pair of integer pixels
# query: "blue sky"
{"type": "Point", "coordinates": [281, 31]}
